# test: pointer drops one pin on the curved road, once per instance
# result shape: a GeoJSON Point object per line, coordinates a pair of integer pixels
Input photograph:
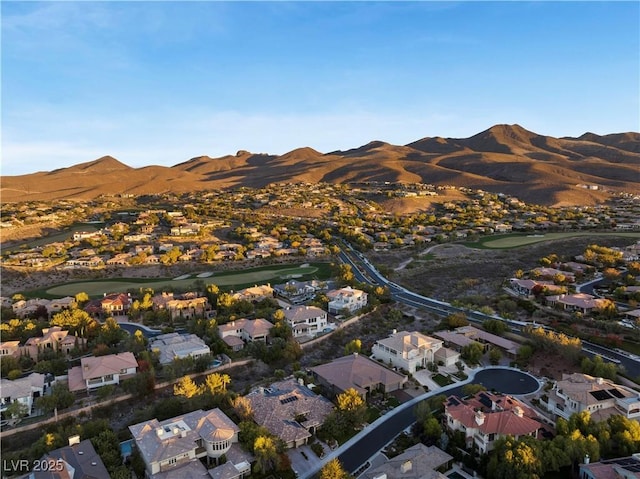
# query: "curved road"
{"type": "Point", "coordinates": [357, 451]}
{"type": "Point", "coordinates": [365, 272]}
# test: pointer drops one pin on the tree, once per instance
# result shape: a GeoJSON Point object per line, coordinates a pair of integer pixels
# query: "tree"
{"type": "Point", "coordinates": [81, 298]}
{"type": "Point", "coordinates": [471, 389]}
{"type": "Point", "coordinates": [456, 320]}
{"type": "Point", "coordinates": [334, 470]}
{"type": "Point", "coordinates": [495, 356]}
{"type": "Point", "coordinates": [352, 407]}
{"type": "Point", "coordinates": [353, 346]}
{"type": "Point", "coordinates": [242, 407]}
{"type": "Point", "coordinates": [495, 326]}
{"type": "Point", "coordinates": [512, 458]}
{"type": "Point", "coordinates": [60, 398]}
{"type": "Point", "coordinates": [472, 352]}
{"type": "Point", "coordinates": [17, 410]}
{"type": "Point", "coordinates": [76, 321]}
{"type": "Point", "coordinates": [186, 387]}
{"type": "Point", "coordinates": [216, 383]}
{"type": "Point", "coordinates": [265, 452]}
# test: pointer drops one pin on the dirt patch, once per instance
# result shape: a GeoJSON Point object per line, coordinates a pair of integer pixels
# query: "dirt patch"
{"type": "Point", "coordinates": [453, 271]}
{"type": "Point", "coordinates": [550, 365]}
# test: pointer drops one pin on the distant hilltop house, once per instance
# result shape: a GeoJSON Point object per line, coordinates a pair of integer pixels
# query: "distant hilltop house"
{"type": "Point", "coordinates": [603, 398]}
{"type": "Point", "coordinates": [83, 235]}
{"type": "Point", "coordinates": [305, 320]}
{"type": "Point", "coordinates": [290, 411]}
{"type": "Point", "coordinates": [346, 299]}
{"type": "Point", "coordinates": [408, 351]}
{"type": "Point", "coordinates": [360, 373]}
{"type": "Point", "coordinates": [240, 331]}
{"type": "Point", "coordinates": [95, 372]}
{"type": "Point", "coordinates": [487, 417]}
{"type": "Point", "coordinates": [172, 448]}
{"type": "Point", "coordinates": [172, 346]}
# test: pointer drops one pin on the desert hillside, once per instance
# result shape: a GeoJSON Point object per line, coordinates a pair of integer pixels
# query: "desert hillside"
{"type": "Point", "coordinates": [505, 158]}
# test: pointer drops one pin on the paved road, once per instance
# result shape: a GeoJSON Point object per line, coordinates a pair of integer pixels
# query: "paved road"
{"type": "Point", "coordinates": [357, 451]}
{"type": "Point", "coordinates": [131, 328]}
{"type": "Point", "coordinates": [365, 272]}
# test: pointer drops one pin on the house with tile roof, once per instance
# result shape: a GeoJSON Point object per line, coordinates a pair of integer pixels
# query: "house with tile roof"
{"type": "Point", "coordinates": [346, 298]}
{"type": "Point", "coordinates": [254, 293]}
{"type": "Point", "coordinates": [405, 350]}
{"type": "Point", "coordinates": [417, 462]}
{"type": "Point", "coordinates": [10, 348]}
{"type": "Point", "coordinates": [95, 372]}
{"type": "Point", "coordinates": [23, 390]}
{"type": "Point", "coordinates": [603, 398]}
{"type": "Point", "coordinates": [486, 417]}
{"type": "Point", "coordinates": [78, 460]}
{"type": "Point", "coordinates": [172, 448]}
{"type": "Point", "coordinates": [305, 320]}
{"type": "Point", "coordinates": [619, 468]}
{"type": "Point", "coordinates": [246, 330]}
{"type": "Point", "coordinates": [116, 304]}
{"type": "Point", "coordinates": [360, 373]}
{"type": "Point", "coordinates": [461, 337]}
{"type": "Point", "coordinates": [53, 339]}
{"type": "Point", "coordinates": [581, 302]}
{"type": "Point", "coordinates": [289, 410]}
{"type": "Point", "coordinates": [172, 346]}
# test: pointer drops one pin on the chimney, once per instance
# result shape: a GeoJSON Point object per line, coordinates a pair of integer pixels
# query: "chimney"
{"type": "Point", "coordinates": [587, 459]}
{"type": "Point", "coordinates": [74, 440]}
{"type": "Point", "coordinates": [479, 418]}
{"type": "Point", "coordinates": [355, 354]}
{"type": "Point", "coordinates": [394, 331]}
{"type": "Point", "coordinates": [599, 381]}
{"type": "Point", "coordinates": [406, 467]}
{"type": "Point", "coordinates": [518, 411]}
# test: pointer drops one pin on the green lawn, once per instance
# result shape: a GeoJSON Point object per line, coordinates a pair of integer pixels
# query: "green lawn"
{"type": "Point", "coordinates": [441, 380]}
{"type": "Point", "coordinates": [225, 280]}
{"type": "Point", "coordinates": [517, 240]}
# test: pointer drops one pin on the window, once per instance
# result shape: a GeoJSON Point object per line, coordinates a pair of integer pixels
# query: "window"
{"type": "Point", "coordinates": [108, 377]}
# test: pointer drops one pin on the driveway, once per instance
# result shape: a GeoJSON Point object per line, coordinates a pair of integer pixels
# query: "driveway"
{"type": "Point", "coordinates": [300, 464]}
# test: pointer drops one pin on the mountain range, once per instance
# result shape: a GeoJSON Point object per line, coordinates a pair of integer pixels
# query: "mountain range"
{"type": "Point", "coordinates": [503, 159]}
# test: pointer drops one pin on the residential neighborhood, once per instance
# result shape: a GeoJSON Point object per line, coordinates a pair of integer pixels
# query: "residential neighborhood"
{"type": "Point", "coordinates": [230, 344]}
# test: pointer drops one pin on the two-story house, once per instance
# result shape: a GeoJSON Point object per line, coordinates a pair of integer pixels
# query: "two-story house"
{"type": "Point", "coordinates": [22, 390]}
{"type": "Point", "coordinates": [95, 372]}
{"type": "Point", "coordinates": [176, 445]}
{"type": "Point", "coordinates": [246, 330]}
{"type": "Point", "coordinates": [305, 320]}
{"type": "Point", "coordinates": [346, 298]}
{"type": "Point", "coordinates": [406, 350]}
{"type": "Point", "coordinates": [53, 339]}
{"type": "Point", "coordinates": [579, 392]}
{"type": "Point", "coordinates": [289, 410]}
{"type": "Point", "coordinates": [486, 417]}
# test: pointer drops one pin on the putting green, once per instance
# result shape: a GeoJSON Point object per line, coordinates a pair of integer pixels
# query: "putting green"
{"type": "Point", "coordinates": [222, 279]}
{"type": "Point", "coordinates": [515, 241]}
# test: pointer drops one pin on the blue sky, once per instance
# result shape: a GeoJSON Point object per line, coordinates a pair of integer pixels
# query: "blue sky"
{"type": "Point", "coordinates": [162, 82]}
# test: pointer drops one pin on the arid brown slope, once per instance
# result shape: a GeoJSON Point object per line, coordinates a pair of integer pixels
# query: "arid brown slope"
{"type": "Point", "coordinates": [504, 158]}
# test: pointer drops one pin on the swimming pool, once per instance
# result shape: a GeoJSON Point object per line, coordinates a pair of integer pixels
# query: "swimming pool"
{"type": "Point", "coordinates": [216, 363]}
{"type": "Point", "coordinates": [126, 448]}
